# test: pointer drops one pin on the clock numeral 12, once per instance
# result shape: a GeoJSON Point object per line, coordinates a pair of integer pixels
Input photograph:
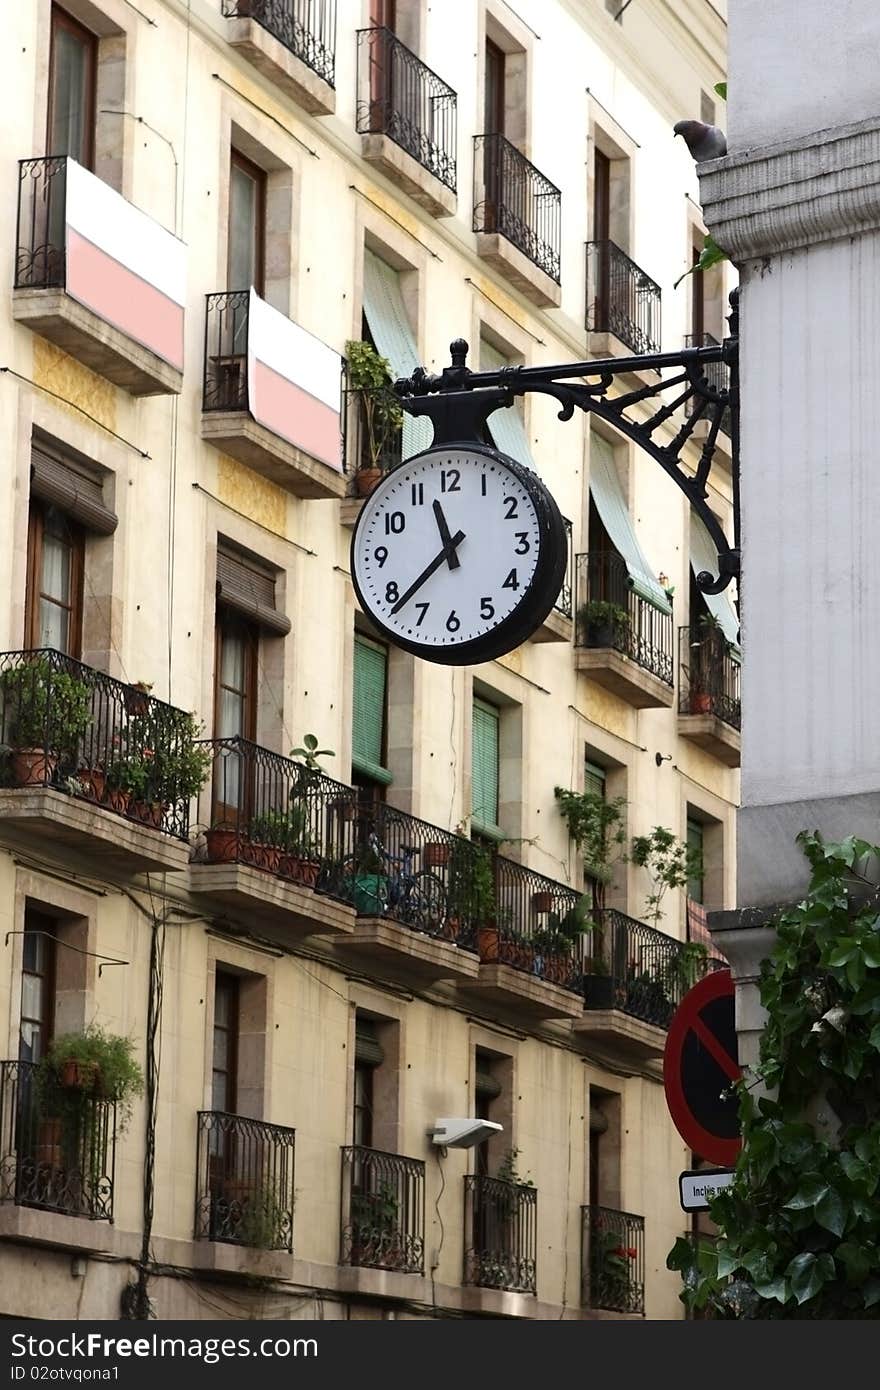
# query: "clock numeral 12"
{"type": "Point", "coordinates": [449, 480]}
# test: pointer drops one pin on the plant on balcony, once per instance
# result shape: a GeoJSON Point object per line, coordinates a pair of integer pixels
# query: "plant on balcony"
{"type": "Point", "coordinates": [685, 967]}
{"type": "Point", "coordinates": [375, 1227]}
{"type": "Point", "coordinates": [508, 1200]}
{"type": "Point", "coordinates": [670, 863]}
{"type": "Point", "coordinates": [611, 1269]}
{"type": "Point", "coordinates": [45, 713]}
{"type": "Point", "coordinates": [369, 379]}
{"type": "Point", "coordinates": [555, 941]}
{"type": "Point", "coordinates": [263, 1220]}
{"type": "Point", "coordinates": [80, 1068]}
{"type": "Point", "coordinates": [707, 650]}
{"type": "Point", "coordinates": [309, 753]}
{"type": "Point", "coordinates": [597, 827]}
{"type": "Point", "coordinates": [157, 761]}
{"type": "Point", "coordinates": [606, 623]}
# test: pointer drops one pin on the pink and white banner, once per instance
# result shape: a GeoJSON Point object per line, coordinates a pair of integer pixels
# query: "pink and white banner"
{"type": "Point", "coordinates": [294, 383]}
{"type": "Point", "coordinates": [124, 266]}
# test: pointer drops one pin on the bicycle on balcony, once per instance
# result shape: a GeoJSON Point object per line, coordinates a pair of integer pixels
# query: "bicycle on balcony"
{"type": "Point", "coordinates": [383, 883]}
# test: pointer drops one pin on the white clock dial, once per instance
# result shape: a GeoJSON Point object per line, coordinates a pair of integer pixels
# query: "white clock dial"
{"type": "Point", "coordinates": [447, 548]}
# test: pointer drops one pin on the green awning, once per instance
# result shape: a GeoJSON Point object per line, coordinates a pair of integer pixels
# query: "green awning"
{"type": "Point", "coordinates": [484, 763]}
{"type": "Point", "coordinates": [611, 505]}
{"type": "Point", "coordinates": [704, 556]}
{"type": "Point", "coordinates": [368, 714]}
{"type": "Point", "coordinates": [389, 325]}
{"type": "Point", "coordinates": [506, 425]}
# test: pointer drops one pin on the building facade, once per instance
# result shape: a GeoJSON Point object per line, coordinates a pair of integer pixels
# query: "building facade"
{"type": "Point", "coordinates": [208, 203]}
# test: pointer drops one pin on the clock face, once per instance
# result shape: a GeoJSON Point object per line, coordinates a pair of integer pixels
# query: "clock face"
{"type": "Point", "coordinates": [456, 552]}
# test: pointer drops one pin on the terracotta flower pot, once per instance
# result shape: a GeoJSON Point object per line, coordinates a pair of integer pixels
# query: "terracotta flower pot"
{"type": "Point", "coordinates": [437, 854]}
{"type": "Point", "coordinates": [451, 928]}
{"type": "Point", "coordinates": [149, 812]}
{"type": "Point", "coordinates": [79, 1075]}
{"type": "Point", "coordinates": [366, 479]}
{"type": "Point", "coordinates": [487, 943]}
{"type": "Point", "coordinates": [137, 702]}
{"type": "Point", "coordinates": [271, 858]}
{"type": "Point", "coordinates": [117, 800]}
{"type": "Point", "coordinates": [222, 846]}
{"type": "Point", "coordinates": [94, 779]}
{"type": "Point", "coordinates": [542, 902]}
{"type": "Point", "coordinates": [33, 767]}
{"type": "Point", "coordinates": [700, 702]}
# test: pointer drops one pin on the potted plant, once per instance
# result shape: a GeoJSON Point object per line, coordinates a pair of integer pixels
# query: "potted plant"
{"type": "Point", "coordinates": [45, 712]}
{"type": "Point", "coordinates": [263, 1222]}
{"type": "Point", "coordinates": [266, 834]}
{"type": "Point", "coordinates": [375, 1228]}
{"type": "Point", "coordinates": [707, 647]}
{"type": "Point", "coordinates": [381, 414]}
{"type": "Point", "coordinates": [87, 1066]}
{"type": "Point", "coordinates": [670, 863]}
{"type": "Point", "coordinates": [136, 697]}
{"type": "Point", "coordinates": [606, 624]}
{"type": "Point", "coordinates": [508, 1200]}
{"type": "Point", "coordinates": [686, 964]}
{"type": "Point", "coordinates": [597, 826]}
{"type": "Point", "coordinates": [611, 1269]}
{"type": "Point", "coordinates": [223, 843]}
{"type": "Point", "coordinates": [164, 761]}
{"type": "Point", "coordinates": [436, 854]}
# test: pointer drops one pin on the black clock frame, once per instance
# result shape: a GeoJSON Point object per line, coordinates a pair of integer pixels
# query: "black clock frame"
{"type": "Point", "coordinates": [544, 586]}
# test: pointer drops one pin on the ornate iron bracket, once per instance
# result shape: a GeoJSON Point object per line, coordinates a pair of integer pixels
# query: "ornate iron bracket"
{"type": "Point", "coordinates": [459, 403]}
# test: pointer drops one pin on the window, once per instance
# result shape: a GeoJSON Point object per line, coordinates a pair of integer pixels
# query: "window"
{"type": "Point", "coordinates": [53, 605]}
{"type": "Point", "coordinates": [485, 765]}
{"type": "Point", "coordinates": [391, 334]}
{"type": "Point", "coordinates": [235, 713]}
{"type": "Point", "coordinates": [487, 1090]}
{"type": "Point", "coordinates": [245, 261]}
{"type": "Point", "coordinates": [37, 986]}
{"type": "Point", "coordinates": [601, 196]}
{"type": "Point", "coordinates": [696, 888]}
{"type": "Point", "coordinates": [604, 1148]}
{"type": "Point", "coordinates": [707, 108]}
{"type": "Point", "coordinates": [493, 91]}
{"type": "Point", "coordinates": [369, 715]}
{"type": "Point", "coordinates": [698, 301]}
{"type": "Point", "coordinates": [73, 54]}
{"type": "Point", "coordinates": [384, 13]}
{"type": "Point", "coordinates": [368, 1056]}
{"type": "Point", "coordinates": [224, 1088]}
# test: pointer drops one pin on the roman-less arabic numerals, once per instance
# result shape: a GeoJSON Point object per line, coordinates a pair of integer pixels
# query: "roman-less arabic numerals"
{"type": "Point", "coordinates": [453, 622]}
{"type": "Point", "coordinates": [483, 486]}
{"type": "Point", "coordinates": [421, 618]}
{"type": "Point", "coordinates": [381, 554]}
{"type": "Point", "coordinates": [392, 593]}
{"type": "Point", "coordinates": [511, 582]}
{"type": "Point", "coordinates": [395, 522]}
{"type": "Point", "coordinates": [450, 480]}
{"type": "Point", "coordinates": [511, 514]}
{"type": "Point", "coordinates": [487, 608]}
{"type": "Point", "coordinates": [418, 494]}
{"type": "Point", "coordinates": [523, 547]}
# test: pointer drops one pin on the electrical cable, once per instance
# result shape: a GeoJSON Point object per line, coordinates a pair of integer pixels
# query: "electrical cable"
{"type": "Point", "coordinates": [10, 371]}
{"type": "Point", "coordinates": [438, 1153]}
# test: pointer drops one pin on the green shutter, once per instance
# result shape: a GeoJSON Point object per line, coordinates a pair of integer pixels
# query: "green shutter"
{"type": "Point", "coordinates": [484, 777]}
{"type": "Point", "coordinates": [506, 425]}
{"type": "Point", "coordinates": [386, 314]}
{"type": "Point", "coordinates": [370, 668]}
{"type": "Point", "coordinates": [594, 779]}
{"type": "Point", "coordinates": [695, 888]}
{"type": "Point", "coordinates": [611, 505]}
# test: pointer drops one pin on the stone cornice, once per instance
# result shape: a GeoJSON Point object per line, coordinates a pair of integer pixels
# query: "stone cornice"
{"type": "Point", "coordinates": [778, 198]}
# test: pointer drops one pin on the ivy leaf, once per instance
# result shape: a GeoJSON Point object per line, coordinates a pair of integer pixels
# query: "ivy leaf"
{"type": "Point", "coordinates": [871, 1292]}
{"type": "Point", "coordinates": [681, 1256]}
{"type": "Point", "coordinates": [805, 1278]}
{"type": "Point", "coordinates": [871, 954]}
{"type": "Point", "coordinates": [710, 255]}
{"type": "Point", "coordinates": [831, 1212]}
{"type": "Point", "coordinates": [774, 1288]}
{"type": "Point", "coordinates": [855, 1261]}
{"type": "Point", "coordinates": [810, 1192]}
{"type": "Point", "coordinates": [727, 1262]}
{"type": "Point", "coordinates": [874, 1037]}
{"type": "Point", "coordinates": [844, 951]}
{"type": "Point", "coordinates": [721, 89]}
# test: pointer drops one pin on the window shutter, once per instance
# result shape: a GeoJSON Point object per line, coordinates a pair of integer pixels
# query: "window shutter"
{"type": "Point", "coordinates": [72, 488]}
{"type": "Point", "coordinates": [611, 504]}
{"type": "Point", "coordinates": [506, 426]}
{"type": "Point", "coordinates": [368, 722]}
{"type": "Point", "coordinates": [484, 777]}
{"type": "Point", "coordinates": [250, 590]}
{"type": "Point", "coordinates": [485, 1084]}
{"type": "Point", "coordinates": [594, 779]}
{"type": "Point", "coordinates": [367, 1048]}
{"type": "Point", "coordinates": [389, 325]}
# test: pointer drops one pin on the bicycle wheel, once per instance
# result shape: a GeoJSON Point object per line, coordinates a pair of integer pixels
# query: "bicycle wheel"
{"type": "Point", "coordinates": [426, 902]}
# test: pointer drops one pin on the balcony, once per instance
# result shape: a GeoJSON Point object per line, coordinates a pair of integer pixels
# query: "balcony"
{"type": "Point", "coordinates": [517, 219]}
{"type": "Point", "coordinates": [292, 42]}
{"type": "Point", "coordinates": [623, 303]}
{"type": "Point", "coordinates": [613, 1261]}
{"type": "Point", "coordinates": [527, 962]}
{"type": "Point", "coordinates": [717, 375]}
{"type": "Point", "coordinates": [406, 117]}
{"type": "Point", "coordinates": [57, 1146]}
{"type": "Point", "coordinates": [557, 626]}
{"type": "Point", "coordinates": [245, 1188]}
{"type": "Point", "coordinates": [272, 395]}
{"type": "Point", "coordinates": [709, 712]}
{"type": "Point", "coordinates": [97, 277]}
{"type": "Point", "coordinates": [634, 979]}
{"type": "Point", "coordinates": [621, 641]}
{"type": "Point", "coordinates": [362, 468]}
{"type": "Point", "coordinates": [94, 765]}
{"type": "Point", "coordinates": [416, 888]}
{"type": "Point", "coordinates": [383, 1211]}
{"type": "Point", "coordinates": [501, 1234]}
{"type": "Point", "coordinates": [273, 829]}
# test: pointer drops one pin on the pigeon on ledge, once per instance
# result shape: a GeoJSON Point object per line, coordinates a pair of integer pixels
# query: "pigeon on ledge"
{"type": "Point", "coordinates": [703, 141]}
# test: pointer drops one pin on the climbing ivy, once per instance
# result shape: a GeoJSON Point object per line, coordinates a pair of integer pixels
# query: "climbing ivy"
{"type": "Point", "coordinates": [800, 1224]}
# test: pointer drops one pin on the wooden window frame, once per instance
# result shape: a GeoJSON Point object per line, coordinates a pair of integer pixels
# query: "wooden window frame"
{"type": "Point", "coordinates": [40, 922]}
{"type": "Point", "coordinates": [60, 19]}
{"type": "Point", "coordinates": [34, 592]}
{"type": "Point", "coordinates": [226, 619]}
{"type": "Point", "coordinates": [259, 177]}
{"type": "Point", "coordinates": [225, 980]}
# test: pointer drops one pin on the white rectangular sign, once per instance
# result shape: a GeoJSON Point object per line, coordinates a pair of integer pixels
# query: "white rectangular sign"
{"type": "Point", "coordinates": [695, 1188]}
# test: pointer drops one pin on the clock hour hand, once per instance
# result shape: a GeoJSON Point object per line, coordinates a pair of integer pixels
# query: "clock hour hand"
{"type": "Point", "coordinates": [438, 560]}
{"type": "Point", "coordinates": [451, 557]}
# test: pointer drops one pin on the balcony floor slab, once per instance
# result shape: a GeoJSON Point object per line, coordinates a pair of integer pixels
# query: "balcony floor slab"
{"type": "Point", "coordinates": [609, 345]}
{"type": "Point", "coordinates": [284, 909]}
{"type": "Point", "coordinates": [405, 950]}
{"type": "Point", "coordinates": [397, 165]}
{"type": "Point", "coordinates": [282, 67]}
{"type": "Point", "coordinates": [510, 262]}
{"type": "Point", "coordinates": [621, 1033]}
{"type": "Point", "coordinates": [242, 437]}
{"type": "Point", "coordinates": [526, 994]}
{"type": "Point", "coordinates": [96, 833]}
{"type": "Point", "coordinates": [77, 1234]}
{"type": "Point", "coordinates": [713, 735]}
{"type": "Point", "coordinates": [93, 341]}
{"type": "Point", "coordinates": [556, 627]}
{"type": "Point", "coordinates": [622, 676]}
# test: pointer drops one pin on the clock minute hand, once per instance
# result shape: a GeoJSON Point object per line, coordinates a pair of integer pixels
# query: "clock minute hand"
{"type": "Point", "coordinates": [451, 557]}
{"type": "Point", "coordinates": [445, 553]}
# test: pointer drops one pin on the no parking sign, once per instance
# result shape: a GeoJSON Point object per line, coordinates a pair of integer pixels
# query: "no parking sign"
{"type": "Point", "coordinates": [699, 1064]}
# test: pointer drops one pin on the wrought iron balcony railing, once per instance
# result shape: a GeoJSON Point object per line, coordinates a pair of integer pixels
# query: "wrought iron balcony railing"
{"type": "Point", "coordinates": [563, 602]}
{"type": "Point", "coordinates": [225, 382]}
{"type": "Point", "coordinates": [717, 375]}
{"type": "Point", "coordinates": [306, 27]}
{"type": "Point", "coordinates": [710, 675]}
{"type": "Point", "coordinates": [399, 96]}
{"type": "Point", "coordinates": [613, 1260]}
{"type": "Point", "coordinates": [637, 969]}
{"type": "Point", "coordinates": [245, 1181]}
{"type": "Point", "coordinates": [66, 726]}
{"type": "Point", "coordinates": [383, 1211]}
{"type": "Point", "coordinates": [40, 239]}
{"type": "Point", "coordinates": [365, 451]}
{"type": "Point", "coordinates": [621, 298]}
{"type": "Point", "coordinates": [501, 1234]}
{"type": "Point", "coordinates": [514, 198]}
{"type": "Point", "coordinates": [529, 924]}
{"type": "Point", "coordinates": [57, 1145]}
{"type": "Point", "coordinates": [609, 613]}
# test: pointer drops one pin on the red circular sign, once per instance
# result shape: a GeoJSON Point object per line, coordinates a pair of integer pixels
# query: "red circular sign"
{"type": "Point", "coordinates": [699, 1063]}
